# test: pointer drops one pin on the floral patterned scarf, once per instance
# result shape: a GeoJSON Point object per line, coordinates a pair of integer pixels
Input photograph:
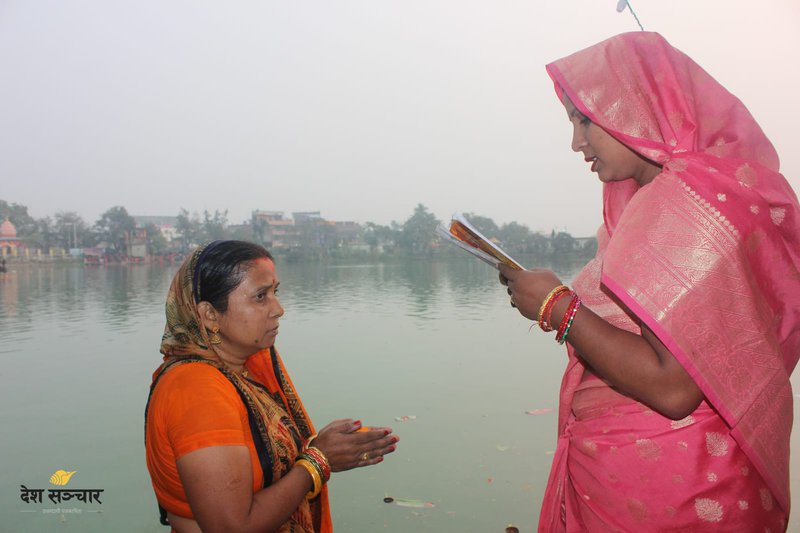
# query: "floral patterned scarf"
{"type": "Point", "coordinates": [278, 421]}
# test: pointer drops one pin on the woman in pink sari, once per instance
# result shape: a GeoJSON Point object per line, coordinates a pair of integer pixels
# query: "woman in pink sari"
{"type": "Point", "coordinates": [675, 408]}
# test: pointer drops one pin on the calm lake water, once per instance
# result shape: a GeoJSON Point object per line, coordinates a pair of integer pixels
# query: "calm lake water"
{"type": "Point", "coordinates": [436, 342]}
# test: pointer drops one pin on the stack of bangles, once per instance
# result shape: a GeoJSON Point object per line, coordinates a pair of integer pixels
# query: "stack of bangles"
{"type": "Point", "coordinates": [316, 464]}
{"type": "Point", "coordinates": [546, 311]}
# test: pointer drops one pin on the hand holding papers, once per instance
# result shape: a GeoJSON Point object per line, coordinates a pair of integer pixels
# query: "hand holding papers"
{"type": "Point", "coordinates": [460, 232]}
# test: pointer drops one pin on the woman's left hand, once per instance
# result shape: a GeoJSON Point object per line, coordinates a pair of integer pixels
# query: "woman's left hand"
{"type": "Point", "coordinates": [528, 288]}
{"type": "Point", "coordinates": [347, 446]}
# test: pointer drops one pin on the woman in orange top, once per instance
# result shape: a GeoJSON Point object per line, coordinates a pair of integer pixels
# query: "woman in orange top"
{"type": "Point", "coordinates": [229, 445]}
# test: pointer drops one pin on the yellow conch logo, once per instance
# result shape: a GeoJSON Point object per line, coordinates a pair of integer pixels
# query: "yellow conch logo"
{"type": "Point", "coordinates": [61, 477]}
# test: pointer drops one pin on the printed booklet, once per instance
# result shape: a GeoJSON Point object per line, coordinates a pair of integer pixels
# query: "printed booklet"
{"type": "Point", "coordinates": [462, 233]}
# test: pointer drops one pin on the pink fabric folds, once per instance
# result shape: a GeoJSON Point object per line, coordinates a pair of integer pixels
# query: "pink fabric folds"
{"type": "Point", "coordinates": [619, 466]}
{"type": "Point", "coordinates": [707, 254]}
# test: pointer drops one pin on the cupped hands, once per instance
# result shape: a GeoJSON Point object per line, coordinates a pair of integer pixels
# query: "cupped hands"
{"type": "Point", "coordinates": [346, 447]}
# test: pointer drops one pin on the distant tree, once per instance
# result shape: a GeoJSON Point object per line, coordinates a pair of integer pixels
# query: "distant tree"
{"type": "Point", "coordinates": [189, 229]}
{"type": "Point", "coordinates": [514, 236]}
{"type": "Point", "coordinates": [538, 244]}
{"type": "Point", "coordinates": [562, 242]}
{"type": "Point", "coordinates": [70, 230]}
{"type": "Point", "coordinates": [242, 232]}
{"type": "Point", "coordinates": [417, 233]}
{"type": "Point", "coordinates": [41, 235]}
{"type": "Point", "coordinates": [378, 236]}
{"type": "Point", "coordinates": [115, 227]}
{"type": "Point", "coordinates": [156, 242]}
{"type": "Point", "coordinates": [214, 225]}
{"type": "Point", "coordinates": [18, 215]}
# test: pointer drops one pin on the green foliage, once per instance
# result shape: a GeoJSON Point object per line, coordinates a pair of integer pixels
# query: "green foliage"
{"type": "Point", "coordinates": [417, 234]}
{"type": "Point", "coordinates": [213, 227]}
{"type": "Point", "coordinates": [156, 243]}
{"type": "Point", "coordinates": [188, 228]}
{"type": "Point", "coordinates": [70, 230]}
{"type": "Point", "coordinates": [311, 239]}
{"type": "Point", "coordinates": [115, 227]}
{"type": "Point", "coordinates": [378, 237]}
{"type": "Point", "coordinates": [563, 243]}
{"type": "Point", "coordinates": [193, 231]}
{"type": "Point", "coordinates": [242, 233]}
{"type": "Point", "coordinates": [18, 215]}
{"type": "Point", "coordinates": [485, 225]}
{"type": "Point", "coordinates": [42, 235]}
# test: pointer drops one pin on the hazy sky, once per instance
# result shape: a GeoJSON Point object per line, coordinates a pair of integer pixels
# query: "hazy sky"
{"type": "Point", "coordinates": [359, 109]}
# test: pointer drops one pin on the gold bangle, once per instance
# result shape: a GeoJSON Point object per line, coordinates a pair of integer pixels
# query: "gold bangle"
{"type": "Point", "coordinates": [547, 299]}
{"type": "Point", "coordinates": [325, 465]}
{"type": "Point", "coordinates": [315, 477]}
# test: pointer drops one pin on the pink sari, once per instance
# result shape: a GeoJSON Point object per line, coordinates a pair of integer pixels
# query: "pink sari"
{"type": "Point", "coordinates": [707, 257]}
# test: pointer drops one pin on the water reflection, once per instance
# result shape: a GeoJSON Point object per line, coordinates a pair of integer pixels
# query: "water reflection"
{"type": "Point", "coordinates": [414, 288]}
{"type": "Point", "coordinates": [432, 339]}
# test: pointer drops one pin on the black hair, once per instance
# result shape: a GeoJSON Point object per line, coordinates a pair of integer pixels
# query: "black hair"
{"type": "Point", "coordinates": [221, 267]}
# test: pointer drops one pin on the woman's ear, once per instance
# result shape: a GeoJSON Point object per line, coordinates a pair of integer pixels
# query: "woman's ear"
{"type": "Point", "coordinates": [208, 315]}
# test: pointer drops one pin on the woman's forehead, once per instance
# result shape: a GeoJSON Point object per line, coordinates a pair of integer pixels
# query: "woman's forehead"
{"type": "Point", "coordinates": [261, 271]}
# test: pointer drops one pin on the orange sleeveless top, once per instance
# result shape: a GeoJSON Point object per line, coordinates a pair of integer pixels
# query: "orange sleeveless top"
{"type": "Point", "coordinates": [193, 407]}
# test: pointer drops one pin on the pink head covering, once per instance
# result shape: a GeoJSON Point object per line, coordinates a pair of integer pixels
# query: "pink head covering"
{"type": "Point", "coordinates": [707, 254]}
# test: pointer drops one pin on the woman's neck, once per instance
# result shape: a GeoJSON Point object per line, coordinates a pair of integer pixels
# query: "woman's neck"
{"type": "Point", "coordinates": [232, 362]}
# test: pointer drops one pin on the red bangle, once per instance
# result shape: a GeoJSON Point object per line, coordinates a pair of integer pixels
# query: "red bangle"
{"type": "Point", "coordinates": [319, 459]}
{"type": "Point", "coordinates": [565, 318]}
{"type": "Point", "coordinates": [544, 320]}
{"type": "Point", "coordinates": [566, 322]}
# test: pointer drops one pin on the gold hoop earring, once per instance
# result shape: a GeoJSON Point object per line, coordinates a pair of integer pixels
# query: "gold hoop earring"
{"type": "Point", "coordinates": [215, 338]}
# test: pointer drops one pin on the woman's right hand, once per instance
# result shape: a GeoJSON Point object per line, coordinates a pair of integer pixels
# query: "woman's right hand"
{"type": "Point", "coordinates": [528, 288]}
{"type": "Point", "coordinates": [346, 448]}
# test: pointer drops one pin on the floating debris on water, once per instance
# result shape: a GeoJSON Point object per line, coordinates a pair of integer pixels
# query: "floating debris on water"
{"type": "Point", "coordinates": [405, 418]}
{"type": "Point", "coordinates": [405, 502]}
{"type": "Point", "coordinates": [502, 448]}
{"type": "Point", "coordinates": [541, 411]}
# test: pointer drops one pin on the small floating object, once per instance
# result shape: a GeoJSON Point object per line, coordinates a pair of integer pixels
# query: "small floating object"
{"type": "Point", "coordinates": [541, 411]}
{"type": "Point", "coordinates": [502, 448]}
{"type": "Point", "coordinates": [405, 418]}
{"type": "Point", "coordinates": [512, 529]}
{"type": "Point", "coordinates": [404, 502]}
{"type": "Point", "coordinates": [489, 480]}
